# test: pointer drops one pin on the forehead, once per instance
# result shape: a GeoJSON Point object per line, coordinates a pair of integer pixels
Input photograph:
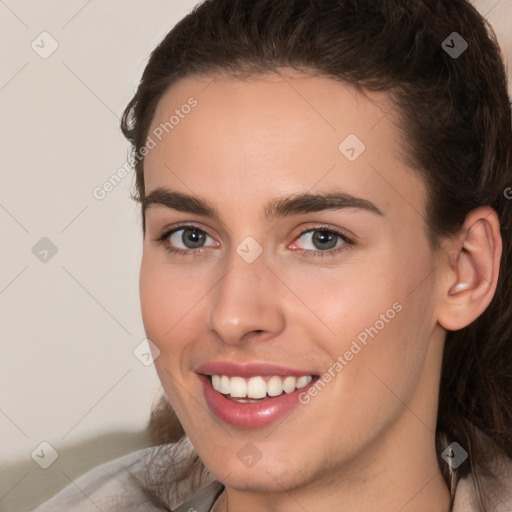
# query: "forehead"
{"type": "Point", "coordinates": [279, 99]}
{"type": "Point", "coordinates": [277, 133]}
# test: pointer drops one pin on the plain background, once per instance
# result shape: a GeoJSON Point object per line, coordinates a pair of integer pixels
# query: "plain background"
{"type": "Point", "coordinates": [69, 325]}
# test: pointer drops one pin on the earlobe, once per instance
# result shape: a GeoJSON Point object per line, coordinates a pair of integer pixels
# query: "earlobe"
{"type": "Point", "coordinates": [472, 274]}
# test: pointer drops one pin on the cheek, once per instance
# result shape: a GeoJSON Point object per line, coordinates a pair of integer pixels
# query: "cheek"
{"type": "Point", "coordinates": [166, 307]}
{"type": "Point", "coordinates": [395, 320]}
{"type": "Point", "coordinates": [343, 299]}
{"type": "Point", "coordinates": [165, 300]}
{"type": "Point", "coordinates": [379, 312]}
{"type": "Point", "coordinates": [168, 295]}
{"type": "Point", "coordinates": [154, 301]}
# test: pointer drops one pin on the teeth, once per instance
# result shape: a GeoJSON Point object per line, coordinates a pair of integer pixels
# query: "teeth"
{"type": "Point", "coordinates": [303, 381]}
{"type": "Point", "coordinates": [274, 386]}
{"type": "Point", "coordinates": [289, 384]}
{"type": "Point", "coordinates": [238, 387]}
{"type": "Point", "coordinates": [225, 385]}
{"type": "Point", "coordinates": [258, 387]}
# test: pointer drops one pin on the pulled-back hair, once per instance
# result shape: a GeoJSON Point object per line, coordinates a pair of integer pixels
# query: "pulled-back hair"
{"type": "Point", "coordinates": [455, 119]}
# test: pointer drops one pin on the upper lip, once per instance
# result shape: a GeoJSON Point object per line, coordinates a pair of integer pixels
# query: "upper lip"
{"type": "Point", "coordinates": [247, 370]}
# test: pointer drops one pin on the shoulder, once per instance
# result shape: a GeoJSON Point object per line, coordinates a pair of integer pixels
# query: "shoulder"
{"type": "Point", "coordinates": [108, 487]}
{"type": "Point", "coordinates": [134, 482]}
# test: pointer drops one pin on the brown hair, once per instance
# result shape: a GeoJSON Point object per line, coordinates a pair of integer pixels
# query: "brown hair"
{"type": "Point", "coordinates": [455, 117]}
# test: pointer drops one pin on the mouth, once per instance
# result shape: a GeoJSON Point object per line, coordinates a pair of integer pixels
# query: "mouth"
{"type": "Point", "coordinates": [254, 401]}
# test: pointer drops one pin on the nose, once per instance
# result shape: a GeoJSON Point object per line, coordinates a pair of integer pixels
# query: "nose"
{"type": "Point", "coordinates": [245, 302]}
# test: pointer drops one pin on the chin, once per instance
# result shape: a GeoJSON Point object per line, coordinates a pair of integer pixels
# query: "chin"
{"type": "Point", "coordinates": [254, 482]}
{"type": "Point", "coordinates": [265, 478]}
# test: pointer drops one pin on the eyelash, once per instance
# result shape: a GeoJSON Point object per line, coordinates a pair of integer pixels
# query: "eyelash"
{"type": "Point", "coordinates": [348, 242]}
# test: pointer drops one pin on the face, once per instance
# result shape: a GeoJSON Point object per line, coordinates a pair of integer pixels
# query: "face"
{"type": "Point", "coordinates": [285, 246]}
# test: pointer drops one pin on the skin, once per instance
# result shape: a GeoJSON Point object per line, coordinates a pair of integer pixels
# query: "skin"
{"type": "Point", "coordinates": [366, 441]}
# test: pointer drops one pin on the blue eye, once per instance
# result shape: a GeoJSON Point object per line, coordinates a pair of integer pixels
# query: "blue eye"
{"type": "Point", "coordinates": [323, 241]}
{"type": "Point", "coordinates": [190, 237]}
{"type": "Point", "coordinates": [190, 240]}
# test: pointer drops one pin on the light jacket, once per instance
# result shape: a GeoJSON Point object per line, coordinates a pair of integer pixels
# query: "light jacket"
{"type": "Point", "coordinates": [134, 483]}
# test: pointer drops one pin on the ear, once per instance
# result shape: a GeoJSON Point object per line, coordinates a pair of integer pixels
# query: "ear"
{"type": "Point", "coordinates": [470, 275]}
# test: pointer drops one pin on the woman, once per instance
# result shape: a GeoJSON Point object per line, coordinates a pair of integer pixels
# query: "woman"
{"type": "Point", "coordinates": [326, 265]}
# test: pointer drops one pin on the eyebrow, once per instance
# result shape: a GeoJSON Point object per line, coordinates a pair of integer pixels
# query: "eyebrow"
{"type": "Point", "coordinates": [277, 208]}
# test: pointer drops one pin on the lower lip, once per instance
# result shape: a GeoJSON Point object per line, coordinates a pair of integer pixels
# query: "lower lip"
{"type": "Point", "coordinates": [250, 414]}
